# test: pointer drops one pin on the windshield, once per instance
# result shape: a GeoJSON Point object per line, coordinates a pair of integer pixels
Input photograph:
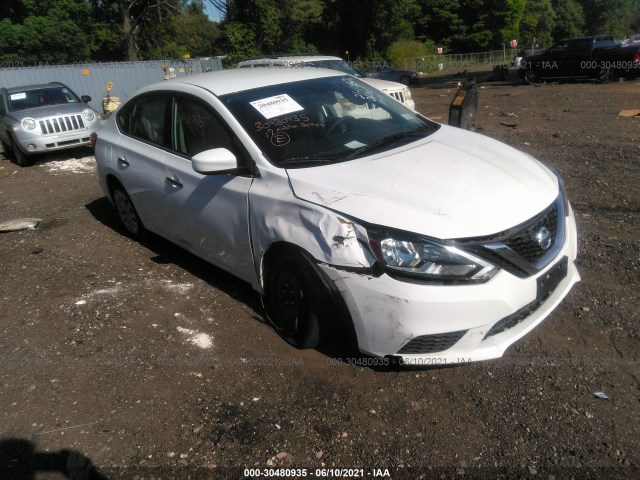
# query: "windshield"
{"type": "Point", "coordinates": [324, 120]}
{"type": "Point", "coordinates": [41, 97]}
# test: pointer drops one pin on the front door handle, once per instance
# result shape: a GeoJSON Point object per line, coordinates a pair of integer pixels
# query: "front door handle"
{"type": "Point", "coordinates": [174, 181]}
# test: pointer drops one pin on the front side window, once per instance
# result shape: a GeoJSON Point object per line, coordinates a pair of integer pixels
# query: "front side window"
{"type": "Point", "coordinates": [144, 119]}
{"type": "Point", "coordinates": [324, 120]}
{"type": "Point", "coordinates": [196, 128]}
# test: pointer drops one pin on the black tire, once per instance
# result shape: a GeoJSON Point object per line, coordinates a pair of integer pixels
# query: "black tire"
{"type": "Point", "coordinates": [6, 150]}
{"type": "Point", "coordinates": [405, 80]}
{"type": "Point", "coordinates": [605, 75]}
{"type": "Point", "coordinates": [530, 77]}
{"type": "Point", "coordinates": [296, 300]}
{"type": "Point", "coordinates": [127, 213]}
{"type": "Point", "coordinates": [20, 157]}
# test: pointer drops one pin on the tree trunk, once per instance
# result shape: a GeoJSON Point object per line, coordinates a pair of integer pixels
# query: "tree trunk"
{"type": "Point", "coordinates": [127, 32]}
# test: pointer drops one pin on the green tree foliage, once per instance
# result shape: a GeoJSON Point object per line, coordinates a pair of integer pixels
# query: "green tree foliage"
{"type": "Point", "coordinates": [240, 42]}
{"type": "Point", "coordinates": [538, 23]}
{"type": "Point", "coordinates": [440, 21]}
{"type": "Point", "coordinates": [401, 49]}
{"type": "Point", "coordinates": [45, 32]}
{"type": "Point", "coordinates": [279, 25]}
{"type": "Point", "coordinates": [569, 19]}
{"type": "Point", "coordinates": [615, 17]}
{"type": "Point", "coordinates": [62, 31]}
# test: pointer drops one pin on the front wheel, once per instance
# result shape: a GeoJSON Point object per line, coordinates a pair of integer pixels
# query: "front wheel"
{"type": "Point", "coordinates": [21, 159]}
{"type": "Point", "coordinates": [127, 213]}
{"type": "Point", "coordinates": [296, 299]}
{"type": "Point", "coordinates": [405, 80]}
{"type": "Point", "coordinates": [6, 149]}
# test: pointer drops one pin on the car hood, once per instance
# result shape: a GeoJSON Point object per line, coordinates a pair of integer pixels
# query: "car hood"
{"type": "Point", "coordinates": [383, 85]}
{"type": "Point", "coordinates": [454, 184]}
{"type": "Point", "coordinates": [50, 111]}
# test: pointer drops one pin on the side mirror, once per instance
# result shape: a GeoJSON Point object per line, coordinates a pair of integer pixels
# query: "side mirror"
{"type": "Point", "coordinates": [215, 162]}
{"type": "Point", "coordinates": [86, 98]}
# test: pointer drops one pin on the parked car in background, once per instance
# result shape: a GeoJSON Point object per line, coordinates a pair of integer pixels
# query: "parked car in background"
{"type": "Point", "coordinates": [393, 75]}
{"type": "Point", "coordinates": [400, 92]}
{"type": "Point", "coordinates": [633, 40]}
{"type": "Point", "coordinates": [598, 57]}
{"type": "Point", "coordinates": [432, 245]}
{"type": "Point", "coordinates": [43, 118]}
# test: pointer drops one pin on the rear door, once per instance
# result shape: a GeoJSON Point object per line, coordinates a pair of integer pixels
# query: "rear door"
{"type": "Point", "coordinates": [139, 153]}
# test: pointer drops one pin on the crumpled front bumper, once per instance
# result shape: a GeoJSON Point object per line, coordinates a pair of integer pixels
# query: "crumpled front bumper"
{"type": "Point", "coordinates": [388, 313]}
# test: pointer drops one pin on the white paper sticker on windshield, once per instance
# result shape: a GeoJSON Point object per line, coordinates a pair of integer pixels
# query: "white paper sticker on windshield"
{"type": "Point", "coordinates": [18, 96]}
{"type": "Point", "coordinates": [354, 144]}
{"type": "Point", "coordinates": [275, 106]}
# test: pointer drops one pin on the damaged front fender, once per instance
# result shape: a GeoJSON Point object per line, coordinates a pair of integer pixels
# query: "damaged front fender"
{"type": "Point", "coordinates": [277, 217]}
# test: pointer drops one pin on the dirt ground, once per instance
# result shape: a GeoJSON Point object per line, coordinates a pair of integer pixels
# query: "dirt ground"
{"type": "Point", "coordinates": [148, 363]}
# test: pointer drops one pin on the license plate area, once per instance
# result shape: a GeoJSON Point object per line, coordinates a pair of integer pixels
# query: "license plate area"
{"type": "Point", "coordinates": [548, 282]}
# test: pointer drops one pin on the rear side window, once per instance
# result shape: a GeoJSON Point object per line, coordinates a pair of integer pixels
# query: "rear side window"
{"type": "Point", "coordinates": [145, 119]}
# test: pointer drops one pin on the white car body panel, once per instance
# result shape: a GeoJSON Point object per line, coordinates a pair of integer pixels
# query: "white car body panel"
{"type": "Point", "coordinates": [455, 184]}
{"type": "Point", "coordinates": [208, 215]}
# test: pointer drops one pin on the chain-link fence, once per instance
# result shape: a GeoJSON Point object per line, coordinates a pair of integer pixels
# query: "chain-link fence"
{"type": "Point", "coordinates": [434, 63]}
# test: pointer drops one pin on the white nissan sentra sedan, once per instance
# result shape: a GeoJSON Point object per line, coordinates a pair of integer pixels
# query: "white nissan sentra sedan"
{"type": "Point", "coordinates": [432, 244]}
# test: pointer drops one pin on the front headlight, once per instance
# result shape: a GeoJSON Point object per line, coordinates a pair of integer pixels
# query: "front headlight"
{"type": "Point", "coordinates": [89, 115]}
{"type": "Point", "coordinates": [430, 260]}
{"type": "Point", "coordinates": [29, 124]}
{"type": "Point", "coordinates": [407, 93]}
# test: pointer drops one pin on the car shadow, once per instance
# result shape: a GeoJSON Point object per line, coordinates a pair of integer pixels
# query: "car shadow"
{"type": "Point", "coordinates": [166, 252]}
{"type": "Point", "coordinates": [341, 349]}
{"type": "Point", "coordinates": [19, 460]}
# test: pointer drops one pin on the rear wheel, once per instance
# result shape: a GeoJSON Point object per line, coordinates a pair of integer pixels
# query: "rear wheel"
{"type": "Point", "coordinates": [405, 80]}
{"type": "Point", "coordinates": [605, 75]}
{"type": "Point", "coordinates": [127, 212]}
{"type": "Point", "coordinates": [296, 300]}
{"type": "Point", "coordinates": [530, 77]}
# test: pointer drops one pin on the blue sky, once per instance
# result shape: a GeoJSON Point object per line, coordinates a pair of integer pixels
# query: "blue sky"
{"type": "Point", "coordinates": [211, 11]}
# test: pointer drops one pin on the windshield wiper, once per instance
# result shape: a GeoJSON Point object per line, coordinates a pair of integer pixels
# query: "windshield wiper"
{"type": "Point", "coordinates": [307, 159]}
{"type": "Point", "coordinates": [388, 140]}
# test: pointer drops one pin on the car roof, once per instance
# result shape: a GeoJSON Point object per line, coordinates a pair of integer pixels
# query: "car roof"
{"type": "Point", "coordinates": [24, 88]}
{"type": "Point", "coordinates": [238, 80]}
{"type": "Point", "coordinates": [293, 57]}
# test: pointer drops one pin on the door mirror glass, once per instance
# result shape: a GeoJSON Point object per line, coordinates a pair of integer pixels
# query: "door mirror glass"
{"type": "Point", "coordinates": [86, 98]}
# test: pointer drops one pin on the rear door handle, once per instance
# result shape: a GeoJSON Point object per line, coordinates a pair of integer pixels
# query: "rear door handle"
{"type": "Point", "coordinates": [122, 161]}
{"type": "Point", "coordinates": [174, 181]}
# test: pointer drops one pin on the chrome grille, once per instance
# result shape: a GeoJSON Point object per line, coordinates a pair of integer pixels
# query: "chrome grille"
{"type": "Point", "coordinates": [524, 243]}
{"type": "Point", "coordinates": [68, 123]}
{"type": "Point", "coordinates": [527, 249]}
{"type": "Point", "coordinates": [398, 96]}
